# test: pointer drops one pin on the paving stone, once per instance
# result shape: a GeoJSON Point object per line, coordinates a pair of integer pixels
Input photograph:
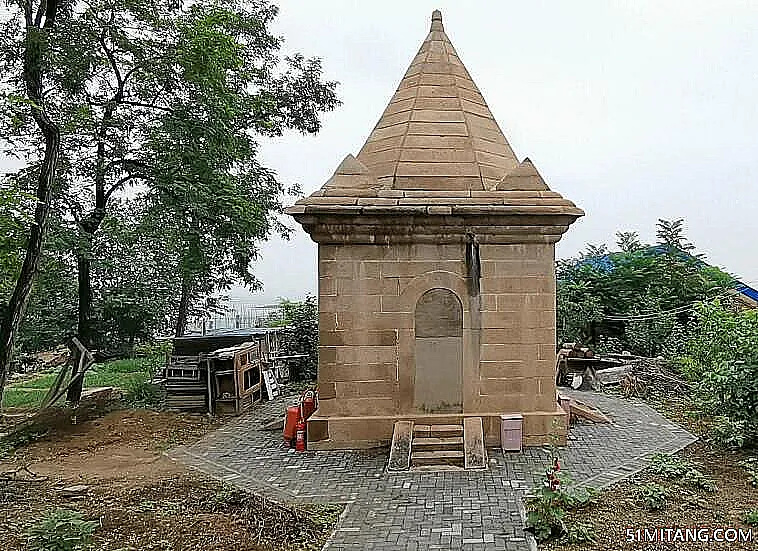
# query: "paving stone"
{"type": "Point", "coordinates": [416, 510]}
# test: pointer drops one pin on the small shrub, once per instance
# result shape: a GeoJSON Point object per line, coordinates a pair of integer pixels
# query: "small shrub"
{"type": "Point", "coordinates": [300, 336]}
{"type": "Point", "coordinates": [677, 468]}
{"type": "Point", "coordinates": [669, 466]}
{"type": "Point", "coordinates": [653, 496]}
{"type": "Point", "coordinates": [698, 479]}
{"type": "Point", "coordinates": [61, 530]}
{"type": "Point", "coordinates": [579, 532]}
{"type": "Point", "coordinates": [142, 393]}
{"type": "Point", "coordinates": [154, 349]}
{"type": "Point", "coordinates": [751, 517]}
{"type": "Point", "coordinates": [728, 433]}
{"type": "Point", "coordinates": [550, 503]}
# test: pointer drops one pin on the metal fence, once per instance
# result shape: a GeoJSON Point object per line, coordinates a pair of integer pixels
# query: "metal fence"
{"type": "Point", "coordinates": [239, 315]}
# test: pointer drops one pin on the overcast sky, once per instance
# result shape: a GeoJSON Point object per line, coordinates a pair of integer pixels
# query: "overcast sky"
{"type": "Point", "coordinates": [635, 110]}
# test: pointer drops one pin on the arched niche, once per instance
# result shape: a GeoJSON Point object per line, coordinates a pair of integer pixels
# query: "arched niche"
{"type": "Point", "coordinates": [438, 380]}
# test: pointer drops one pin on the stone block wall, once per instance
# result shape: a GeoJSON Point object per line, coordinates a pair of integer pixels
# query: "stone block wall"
{"type": "Point", "coordinates": [517, 362]}
{"type": "Point", "coordinates": [368, 296]}
{"type": "Point", "coordinates": [367, 303]}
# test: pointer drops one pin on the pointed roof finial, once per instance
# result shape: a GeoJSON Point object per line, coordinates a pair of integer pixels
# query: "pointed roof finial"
{"type": "Point", "coordinates": [437, 21]}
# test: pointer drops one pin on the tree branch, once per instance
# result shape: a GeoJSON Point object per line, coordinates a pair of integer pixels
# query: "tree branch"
{"type": "Point", "coordinates": [114, 64]}
{"type": "Point", "coordinates": [147, 105]}
{"type": "Point", "coordinates": [120, 184]}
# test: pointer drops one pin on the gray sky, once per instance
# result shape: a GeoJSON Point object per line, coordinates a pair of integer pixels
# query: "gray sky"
{"type": "Point", "coordinates": [634, 110]}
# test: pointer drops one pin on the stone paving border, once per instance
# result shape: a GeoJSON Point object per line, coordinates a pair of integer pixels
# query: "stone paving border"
{"type": "Point", "coordinates": [473, 510]}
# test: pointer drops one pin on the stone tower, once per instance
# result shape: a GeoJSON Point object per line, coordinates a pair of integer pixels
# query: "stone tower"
{"type": "Point", "coordinates": [436, 269]}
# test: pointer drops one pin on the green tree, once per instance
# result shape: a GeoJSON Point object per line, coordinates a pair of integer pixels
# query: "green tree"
{"type": "Point", "coordinates": [628, 241]}
{"type": "Point", "coordinates": [637, 298]}
{"type": "Point", "coordinates": [221, 200]}
{"type": "Point", "coordinates": [25, 38]}
{"type": "Point", "coordinates": [721, 361]}
{"type": "Point", "coordinates": [300, 336]}
{"type": "Point", "coordinates": [670, 233]}
{"type": "Point", "coordinates": [169, 99]}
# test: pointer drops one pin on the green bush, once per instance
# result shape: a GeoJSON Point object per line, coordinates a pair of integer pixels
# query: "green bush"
{"type": "Point", "coordinates": [669, 466]}
{"type": "Point", "coordinates": [722, 363]}
{"type": "Point", "coordinates": [751, 517]}
{"type": "Point", "coordinates": [142, 393]}
{"type": "Point", "coordinates": [61, 530]}
{"type": "Point", "coordinates": [677, 468]}
{"type": "Point", "coordinates": [653, 496]}
{"type": "Point", "coordinates": [300, 336]}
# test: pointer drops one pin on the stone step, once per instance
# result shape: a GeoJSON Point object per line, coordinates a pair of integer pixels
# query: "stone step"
{"type": "Point", "coordinates": [438, 457]}
{"type": "Point", "coordinates": [425, 443]}
{"type": "Point", "coordinates": [438, 431]}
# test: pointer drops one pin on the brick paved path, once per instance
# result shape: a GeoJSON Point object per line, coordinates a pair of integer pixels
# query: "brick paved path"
{"type": "Point", "coordinates": [410, 511]}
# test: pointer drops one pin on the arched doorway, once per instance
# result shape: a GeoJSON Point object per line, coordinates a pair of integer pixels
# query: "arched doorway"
{"type": "Point", "coordinates": [438, 384]}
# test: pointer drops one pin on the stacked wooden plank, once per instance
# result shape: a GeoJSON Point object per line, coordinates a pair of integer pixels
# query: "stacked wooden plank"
{"type": "Point", "coordinates": [186, 383]}
{"type": "Point", "coordinates": [226, 365]}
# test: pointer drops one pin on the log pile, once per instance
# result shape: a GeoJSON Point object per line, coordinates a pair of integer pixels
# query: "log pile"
{"type": "Point", "coordinates": [577, 366]}
{"type": "Point", "coordinates": [580, 368]}
{"type": "Point", "coordinates": [575, 350]}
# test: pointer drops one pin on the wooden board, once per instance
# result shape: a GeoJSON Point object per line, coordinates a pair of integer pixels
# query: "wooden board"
{"type": "Point", "coordinates": [272, 387]}
{"type": "Point", "coordinates": [580, 409]}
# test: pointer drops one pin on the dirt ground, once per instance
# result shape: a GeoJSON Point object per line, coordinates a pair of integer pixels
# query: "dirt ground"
{"type": "Point", "coordinates": [619, 507]}
{"type": "Point", "coordinates": [141, 499]}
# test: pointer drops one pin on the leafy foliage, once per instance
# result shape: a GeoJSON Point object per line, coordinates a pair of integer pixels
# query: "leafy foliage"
{"type": "Point", "coordinates": [548, 506]}
{"type": "Point", "coordinates": [751, 517]}
{"type": "Point", "coordinates": [16, 207]}
{"type": "Point", "coordinates": [673, 467]}
{"type": "Point", "coordinates": [722, 363]}
{"type": "Point", "coordinates": [161, 193]}
{"type": "Point", "coordinates": [300, 336]}
{"type": "Point", "coordinates": [638, 298]}
{"type": "Point", "coordinates": [653, 496]}
{"type": "Point", "coordinates": [62, 530]}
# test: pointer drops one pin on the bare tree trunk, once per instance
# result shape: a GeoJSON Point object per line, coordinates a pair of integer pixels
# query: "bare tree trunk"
{"type": "Point", "coordinates": [184, 304]}
{"type": "Point", "coordinates": [33, 66]}
{"type": "Point", "coordinates": [84, 325]}
{"type": "Point", "coordinates": [84, 321]}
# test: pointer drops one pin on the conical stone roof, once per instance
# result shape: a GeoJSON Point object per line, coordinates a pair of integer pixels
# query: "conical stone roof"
{"type": "Point", "coordinates": [437, 132]}
{"type": "Point", "coordinates": [437, 144]}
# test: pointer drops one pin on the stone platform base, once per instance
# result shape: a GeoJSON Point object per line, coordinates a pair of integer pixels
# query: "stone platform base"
{"type": "Point", "coordinates": [351, 433]}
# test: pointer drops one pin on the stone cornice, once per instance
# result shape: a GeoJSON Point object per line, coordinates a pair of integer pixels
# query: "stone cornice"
{"type": "Point", "coordinates": [424, 224]}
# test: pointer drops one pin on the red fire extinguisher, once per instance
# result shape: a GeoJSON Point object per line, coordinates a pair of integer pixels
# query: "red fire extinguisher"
{"type": "Point", "coordinates": [300, 435]}
{"type": "Point", "coordinates": [308, 403]}
{"type": "Point", "coordinates": [290, 425]}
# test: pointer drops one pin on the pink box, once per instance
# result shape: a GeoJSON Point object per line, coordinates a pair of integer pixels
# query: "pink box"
{"type": "Point", "coordinates": [511, 431]}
